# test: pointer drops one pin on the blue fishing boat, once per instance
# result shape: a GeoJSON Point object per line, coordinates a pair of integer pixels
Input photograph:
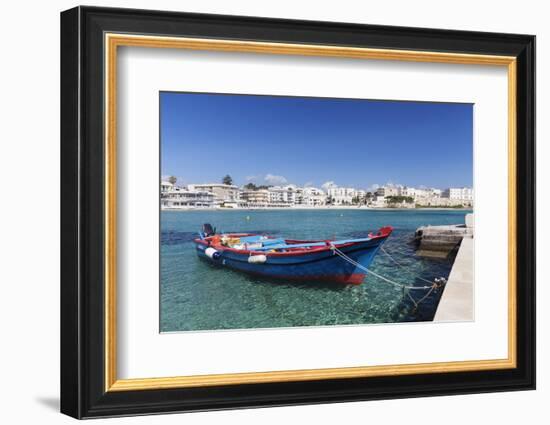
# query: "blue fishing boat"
{"type": "Point", "coordinates": [339, 261]}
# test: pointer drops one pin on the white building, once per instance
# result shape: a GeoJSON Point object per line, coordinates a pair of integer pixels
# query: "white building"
{"type": "Point", "coordinates": [341, 195]}
{"type": "Point", "coordinates": [175, 197]}
{"type": "Point", "coordinates": [222, 192]}
{"type": "Point", "coordinates": [165, 186]}
{"type": "Point", "coordinates": [313, 197]}
{"type": "Point", "coordinates": [378, 201]}
{"type": "Point", "coordinates": [464, 194]}
{"type": "Point", "coordinates": [416, 193]}
{"type": "Point", "coordinates": [389, 190]}
{"type": "Point", "coordinates": [282, 195]}
{"type": "Point", "coordinates": [407, 191]}
{"type": "Point", "coordinates": [299, 196]}
{"type": "Point", "coordinates": [360, 194]}
{"type": "Point", "coordinates": [255, 198]}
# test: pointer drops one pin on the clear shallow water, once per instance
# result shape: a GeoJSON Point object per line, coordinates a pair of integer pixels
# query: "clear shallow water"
{"type": "Point", "coordinates": [198, 296]}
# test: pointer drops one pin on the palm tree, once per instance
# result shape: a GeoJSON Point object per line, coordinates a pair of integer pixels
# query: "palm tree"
{"type": "Point", "coordinates": [172, 179]}
{"type": "Point", "coordinates": [227, 180]}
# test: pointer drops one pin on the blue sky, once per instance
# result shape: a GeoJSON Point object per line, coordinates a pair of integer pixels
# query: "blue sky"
{"type": "Point", "coordinates": [309, 141]}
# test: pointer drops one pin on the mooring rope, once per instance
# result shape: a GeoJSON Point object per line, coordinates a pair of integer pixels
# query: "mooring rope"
{"type": "Point", "coordinates": [403, 267]}
{"type": "Point", "coordinates": [360, 266]}
{"type": "Point", "coordinates": [437, 283]}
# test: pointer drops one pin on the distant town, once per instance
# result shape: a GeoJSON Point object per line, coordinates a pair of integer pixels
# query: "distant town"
{"type": "Point", "coordinates": [250, 196]}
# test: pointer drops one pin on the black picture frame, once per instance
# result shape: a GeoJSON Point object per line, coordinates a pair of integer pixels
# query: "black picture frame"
{"type": "Point", "coordinates": [83, 392]}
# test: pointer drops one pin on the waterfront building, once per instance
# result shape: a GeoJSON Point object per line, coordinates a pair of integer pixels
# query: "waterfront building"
{"type": "Point", "coordinates": [378, 201]}
{"type": "Point", "coordinates": [360, 195]}
{"type": "Point", "coordinates": [422, 196]}
{"type": "Point", "coordinates": [464, 194]}
{"type": "Point", "coordinates": [282, 195]}
{"type": "Point", "coordinates": [165, 186]}
{"type": "Point", "coordinates": [422, 193]}
{"type": "Point", "coordinates": [255, 198]}
{"type": "Point", "coordinates": [417, 193]}
{"type": "Point", "coordinates": [299, 196]}
{"type": "Point", "coordinates": [408, 191]}
{"type": "Point", "coordinates": [388, 190]}
{"type": "Point", "coordinates": [342, 195]}
{"type": "Point", "coordinates": [405, 191]}
{"type": "Point", "coordinates": [313, 197]}
{"type": "Point", "coordinates": [222, 192]}
{"type": "Point", "coordinates": [175, 197]}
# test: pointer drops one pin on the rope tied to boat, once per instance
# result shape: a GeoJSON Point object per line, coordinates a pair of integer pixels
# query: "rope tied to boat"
{"type": "Point", "coordinates": [434, 285]}
{"type": "Point", "coordinates": [403, 267]}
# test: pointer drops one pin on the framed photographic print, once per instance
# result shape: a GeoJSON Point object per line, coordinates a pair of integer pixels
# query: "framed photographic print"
{"type": "Point", "coordinates": [261, 212]}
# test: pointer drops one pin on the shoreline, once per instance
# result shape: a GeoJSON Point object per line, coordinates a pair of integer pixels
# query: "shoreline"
{"type": "Point", "coordinates": [343, 207]}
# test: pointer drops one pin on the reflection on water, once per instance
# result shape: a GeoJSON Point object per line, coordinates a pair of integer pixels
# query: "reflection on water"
{"type": "Point", "coordinates": [196, 295]}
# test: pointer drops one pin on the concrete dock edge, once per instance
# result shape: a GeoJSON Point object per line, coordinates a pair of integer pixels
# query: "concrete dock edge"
{"type": "Point", "coordinates": [457, 300]}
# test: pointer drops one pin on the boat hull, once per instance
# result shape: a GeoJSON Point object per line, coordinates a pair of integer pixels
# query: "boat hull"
{"type": "Point", "coordinates": [322, 265]}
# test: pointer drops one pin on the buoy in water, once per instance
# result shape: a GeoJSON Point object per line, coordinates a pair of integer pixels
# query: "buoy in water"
{"type": "Point", "coordinates": [247, 218]}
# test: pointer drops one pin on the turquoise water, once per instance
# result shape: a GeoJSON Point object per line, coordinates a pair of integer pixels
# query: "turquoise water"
{"type": "Point", "coordinates": [198, 296]}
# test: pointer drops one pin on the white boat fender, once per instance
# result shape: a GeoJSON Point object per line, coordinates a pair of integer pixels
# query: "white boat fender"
{"type": "Point", "coordinates": [257, 259]}
{"type": "Point", "coordinates": [212, 253]}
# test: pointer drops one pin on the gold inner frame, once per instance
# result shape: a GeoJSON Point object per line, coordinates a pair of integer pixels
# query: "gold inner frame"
{"type": "Point", "coordinates": [113, 41]}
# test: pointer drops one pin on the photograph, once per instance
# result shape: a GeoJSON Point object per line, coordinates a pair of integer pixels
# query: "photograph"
{"type": "Point", "coordinates": [290, 211]}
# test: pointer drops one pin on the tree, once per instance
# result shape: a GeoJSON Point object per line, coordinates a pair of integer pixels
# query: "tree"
{"type": "Point", "coordinates": [227, 180]}
{"type": "Point", "coordinates": [250, 186]}
{"type": "Point", "coordinates": [172, 179]}
{"type": "Point", "coordinates": [399, 199]}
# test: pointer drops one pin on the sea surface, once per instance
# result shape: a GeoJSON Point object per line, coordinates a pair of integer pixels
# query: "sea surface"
{"type": "Point", "coordinates": [196, 295]}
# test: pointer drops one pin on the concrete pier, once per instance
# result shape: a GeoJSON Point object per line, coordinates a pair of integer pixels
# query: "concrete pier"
{"type": "Point", "coordinates": [457, 300]}
{"type": "Point", "coordinates": [439, 241]}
